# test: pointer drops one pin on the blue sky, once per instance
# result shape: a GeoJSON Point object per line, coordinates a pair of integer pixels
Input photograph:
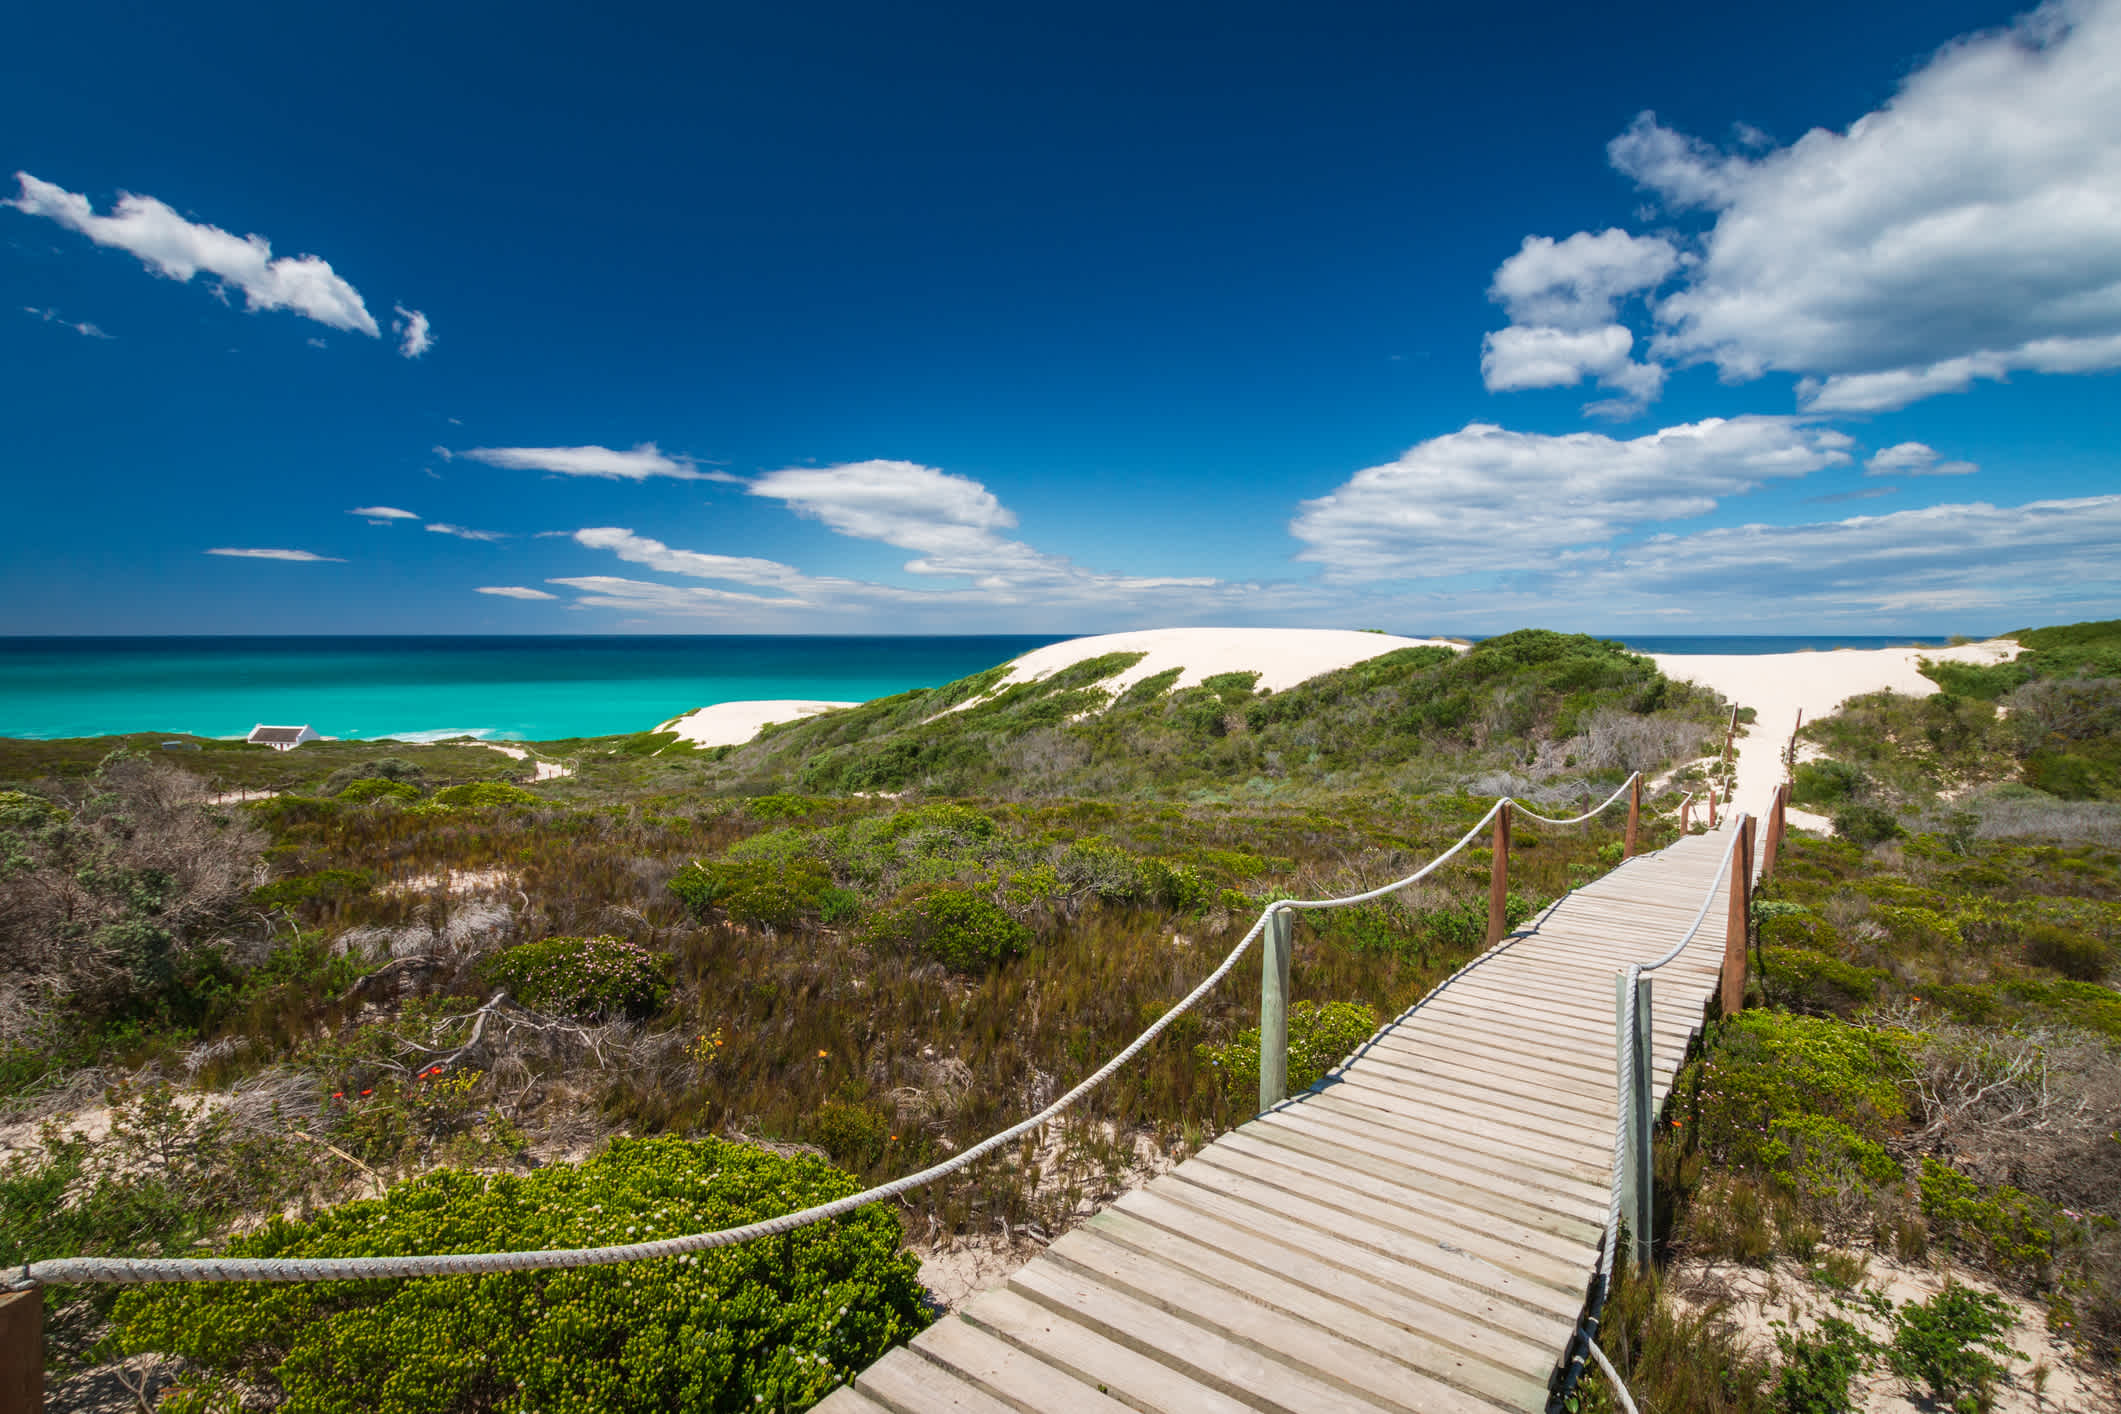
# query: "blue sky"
{"type": "Point", "coordinates": [1650, 318]}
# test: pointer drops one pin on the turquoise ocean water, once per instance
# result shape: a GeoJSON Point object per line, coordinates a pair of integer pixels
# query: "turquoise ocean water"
{"type": "Point", "coordinates": [534, 689]}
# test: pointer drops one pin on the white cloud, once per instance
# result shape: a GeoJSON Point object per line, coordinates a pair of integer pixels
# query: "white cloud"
{"type": "Point", "coordinates": [515, 591]}
{"type": "Point", "coordinates": [316, 343]}
{"type": "Point", "coordinates": [440, 527]}
{"type": "Point", "coordinates": [51, 316]}
{"type": "Point", "coordinates": [639, 464]}
{"type": "Point", "coordinates": [736, 569]}
{"type": "Point", "coordinates": [1967, 229]}
{"type": "Point", "coordinates": [1914, 459]}
{"type": "Point", "coordinates": [1485, 498]}
{"type": "Point", "coordinates": [382, 514]}
{"type": "Point", "coordinates": [172, 246]}
{"type": "Point", "coordinates": [298, 556]}
{"type": "Point", "coordinates": [1959, 557]}
{"type": "Point", "coordinates": [1563, 299]}
{"type": "Point", "coordinates": [414, 335]}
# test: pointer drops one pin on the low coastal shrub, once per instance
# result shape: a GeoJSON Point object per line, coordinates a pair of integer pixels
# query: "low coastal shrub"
{"type": "Point", "coordinates": [1866, 824]}
{"type": "Point", "coordinates": [1321, 1035]}
{"type": "Point", "coordinates": [374, 788]}
{"type": "Point", "coordinates": [323, 886]}
{"type": "Point", "coordinates": [775, 1323]}
{"type": "Point", "coordinates": [1806, 1101]}
{"type": "Point", "coordinates": [483, 795]}
{"type": "Point", "coordinates": [776, 890]}
{"type": "Point", "coordinates": [2067, 951]}
{"type": "Point", "coordinates": [957, 928]}
{"type": "Point", "coordinates": [594, 978]}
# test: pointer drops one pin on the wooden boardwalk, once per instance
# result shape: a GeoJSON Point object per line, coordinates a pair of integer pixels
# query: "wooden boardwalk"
{"type": "Point", "coordinates": [1417, 1232]}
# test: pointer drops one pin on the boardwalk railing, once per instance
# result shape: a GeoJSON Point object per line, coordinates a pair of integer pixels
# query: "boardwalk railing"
{"type": "Point", "coordinates": [19, 1324]}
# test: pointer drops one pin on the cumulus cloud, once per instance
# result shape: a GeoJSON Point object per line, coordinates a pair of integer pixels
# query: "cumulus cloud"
{"type": "Point", "coordinates": [298, 556]}
{"type": "Point", "coordinates": [440, 527]}
{"type": "Point", "coordinates": [51, 316]}
{"type": "Point", "coordinates": [1914, 459]}
{"type": "Point", "coordinates": [1563, 299]}
{"type": "Point", "coordinates": [415, 337]}
{"type": "Point", "coordinates": [639, 464]}
{"type": "Point", "coordinates": [515, 591]}
{"type": "Point", "coordinates": [383, 515]}
{"type": "Point", "coordinates": [1486, 498]}
{"type": "Point", "coordinates": [174, 247]}
{"type": "Point", "coordinates": [1965, 230]}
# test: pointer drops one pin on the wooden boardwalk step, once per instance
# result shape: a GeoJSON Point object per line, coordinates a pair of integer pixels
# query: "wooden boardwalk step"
{"type": "Point", "coordinates": [1417, 1232]}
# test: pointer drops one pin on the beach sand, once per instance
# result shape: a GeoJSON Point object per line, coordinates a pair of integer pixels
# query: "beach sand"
{"type": "Point", "coordinates": [734, 723]}
{"type": "Point", "coordinates": [1283, 657]}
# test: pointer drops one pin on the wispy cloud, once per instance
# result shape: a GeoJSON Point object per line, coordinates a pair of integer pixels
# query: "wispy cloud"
{"type": "Point", "coordinates": [304, 557]}
{"type": "Point", "coordinates": [440, 527]}
{"type": "Point", "coordinates": [383, 515]}
{"type": "Point", "coordinates": [81, 326]}
{"type": "Point", "coordinates": [1914, 459]}
{"type": "Point", "coordinates": [172, 246]}
{"type": "Point", "coordinates": [415, 336]}
{"type": "Point", "coordinates": [514, 591]}
{"type": "Point", "coordinates": [639, 464]}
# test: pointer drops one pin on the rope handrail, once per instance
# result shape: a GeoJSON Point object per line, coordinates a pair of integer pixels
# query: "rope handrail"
{"type": "Point", "coordinates": [150, 1270]}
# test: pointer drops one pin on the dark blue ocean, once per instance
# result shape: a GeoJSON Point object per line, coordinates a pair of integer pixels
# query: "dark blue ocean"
{"type": "Point", "coordinates": [506, 689]}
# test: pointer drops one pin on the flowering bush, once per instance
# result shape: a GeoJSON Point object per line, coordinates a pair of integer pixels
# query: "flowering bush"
{"type": "Point", "coordinates": [776, 1323]}
{"type": "Point", "coordinates": [597, 978]}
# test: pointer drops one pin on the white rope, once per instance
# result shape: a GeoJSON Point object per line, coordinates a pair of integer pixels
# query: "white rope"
{"type": "Point", "coordinates": [1620, 1390]}
{"type": "Point", "coordinates": [1737, 836]}
{"type": "Point", "coordinates": [134, 1270]}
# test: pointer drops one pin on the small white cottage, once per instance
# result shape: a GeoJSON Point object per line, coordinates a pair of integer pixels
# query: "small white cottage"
{"type": "Point", "coordinates": [282, 738]}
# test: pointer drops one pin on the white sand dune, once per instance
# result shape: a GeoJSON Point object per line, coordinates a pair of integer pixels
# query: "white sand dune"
{"type": "Point", "coordinates": [1283, 657]}
{"type": "Point", "coordinates": [1779, 685]}
{"type": "Point", "coordinates": [734, 723]}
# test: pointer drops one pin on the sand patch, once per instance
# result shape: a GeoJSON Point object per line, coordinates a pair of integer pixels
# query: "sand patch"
{"type": "Point", "coordinates": [456, 883]}
{"type": "Point", "coordinates": [734, 723]}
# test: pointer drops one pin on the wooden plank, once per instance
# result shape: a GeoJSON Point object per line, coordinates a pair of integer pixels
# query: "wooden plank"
{"type": "Point", "coordinates": [1008, 1373]}
{"type": "Point", "coordinates": [1583, 1205]}
{"type": "Point", "coordinates": [1425, 1337]}
{"type": "Point", "coordinates": [1127, 1375]}
{"type": "Point", "coordinates": [906, 1384]}
{"type": "Point", "coordinates": [1438, 1154]}
{"type": "Point", "coordinates": [1504, 1069]}
{"type": "Point", "coordinates": [1232, 1366]}
{"type": "Point", "coordinates": [1505, 1099]}
{"type": "Point", "coordinates": [1574, 1157]}
{"type": "Point", "coordinates": [847, 1400]}
{"type": "Point", "coordinates": [1433, 1270]}
{"type": "Point", "coordinates": [1327, 1184]}
{"type": "Point", "coordinates": [1319, 1352]}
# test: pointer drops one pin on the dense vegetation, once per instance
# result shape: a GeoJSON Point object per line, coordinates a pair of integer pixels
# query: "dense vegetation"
{"type": "Point", "coordinates": [1933, 1070]}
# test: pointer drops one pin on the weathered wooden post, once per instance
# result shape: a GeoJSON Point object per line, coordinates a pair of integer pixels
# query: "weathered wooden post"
{"type": "Point", "coordinates": [1686, 814]}
{"type": "Point", "coordinates": [1499, 878]}
{"type": "Point", "coordinates": [22, 1352]}
{"type": "Point", "coordinates": [1712, 805]}
{"type": "Point", "coordinates": [1773, 846]}
{"type": "Point", "coordinates": [1633, 1048]}
{"type": "Point", "coordinates": [1734, 934]}
{"type": "Point", "coordinates": [1730, 734]}
{"type": "Point", "coordinates": [1274, 1008]}
{"type": "Point", "coordinates": [1634, 814]}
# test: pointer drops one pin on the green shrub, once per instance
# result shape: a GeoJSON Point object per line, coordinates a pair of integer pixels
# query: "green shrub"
{"type": "Point", "coordinates": [782, 807]}
{"type": "Point", "coordinates": [482, 794]}
{"type": "Point", "coordinates": [1826, 783]}
{"type": "Point", "coordinates": [775, 1323]}
{"type": "Point", "coordinates": [2064, 950]}
{"type": "Point", "coordinates": [1804, 1100]}
{"type": "Point", "coordinates": [1866, 824]}
{"type": "Point", "coordinates": [371, 788]}
{"type": "Point", "coordinates": [959, 929]}
{"type": "Point", "coordinates": [1321, 1035]}
{"type": "Point", "coordinates": [853, 1134]}
{"type": "Point", "coordinates": [19, 810]}
{"type": "Point", "coordinates": [1801, 980]}
{"type": "Point", "coordinates": [1949, 1343]}
{"type": "Point", "coordinates": [1818, 1366]}
{"type": "Point", "coordinates": [596, 978]}
{"type": "Point", "coordinates": [323, 886]}
{"type": "Point", "coordinates": [775, 890]}
{"type": "Point", "coordinates": [2003, 1228]}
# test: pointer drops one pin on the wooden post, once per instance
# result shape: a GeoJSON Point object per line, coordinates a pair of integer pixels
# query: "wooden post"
{"type": "Point", "coordinates": [1686, 814]}
{"type": "Point", "coordinates": [1774, 833]}
{"type": "Point", "coordinates": [1634, 814]}
{"type": "Point", "coordinates": [1730, 734]}
{"type": "Point", "coordinates": [1712, 805]}
{"type": "Point", "coordinates": [1638, 1184]}
{"type": "Point", "coordinates": [1789, 753]}
{"type": "Point", "coordinates": [1734, 933]}
{"type": "Point", "coordinates": [22, 1352]}
{"type": "Point", "coordinates": [1499, 878]}
{"type": "Point", "coordinates": [1274, 1008]}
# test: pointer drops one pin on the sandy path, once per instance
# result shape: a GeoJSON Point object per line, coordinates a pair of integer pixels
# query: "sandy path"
{"type": "Point", "coordinates": [1779, 685]}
